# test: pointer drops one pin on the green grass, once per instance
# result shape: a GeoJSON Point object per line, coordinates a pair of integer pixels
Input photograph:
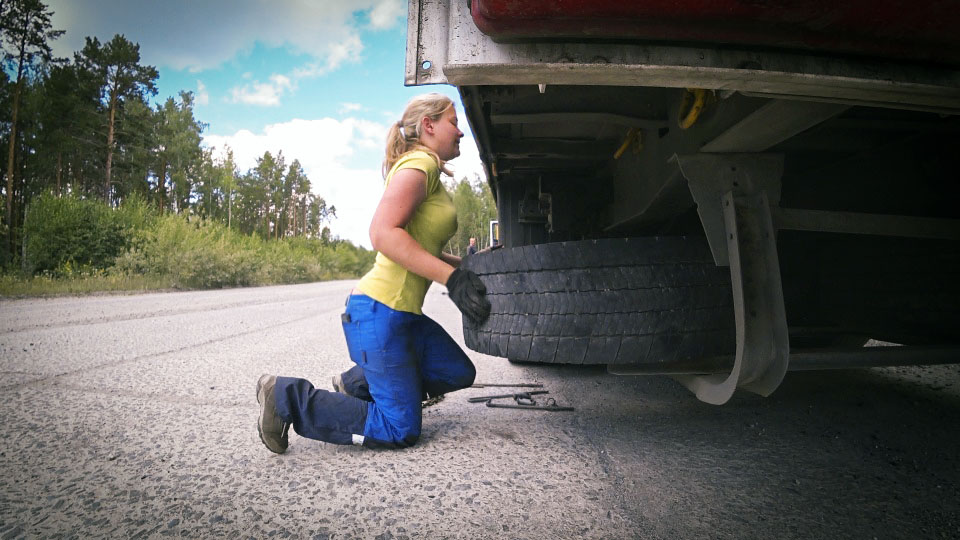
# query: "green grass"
{"type": "Point", "coordinates": [14, 286]}
{"type": "Point", "coordinates": [78, 247]}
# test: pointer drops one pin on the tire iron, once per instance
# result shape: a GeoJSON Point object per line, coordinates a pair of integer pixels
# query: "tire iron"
{"type": "Point", "coordinates": [519, 397]}
{"type": "Point", "coordinates": [518, 385]}
{"type": "Point", "coordinates": [522, 400]}
{"type": "Point", "coordinates": [549, 405]}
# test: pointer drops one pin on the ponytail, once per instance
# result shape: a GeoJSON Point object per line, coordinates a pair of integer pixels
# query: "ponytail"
{"type": "Point", "coordinates": [404, 136]}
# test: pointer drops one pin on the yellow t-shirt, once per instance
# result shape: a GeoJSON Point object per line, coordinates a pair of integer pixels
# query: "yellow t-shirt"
{"type": "Point", "coordinates": [432, 225]}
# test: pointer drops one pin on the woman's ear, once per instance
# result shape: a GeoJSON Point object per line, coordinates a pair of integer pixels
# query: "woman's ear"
{"type": "Point", "coordinates": [427, 125]}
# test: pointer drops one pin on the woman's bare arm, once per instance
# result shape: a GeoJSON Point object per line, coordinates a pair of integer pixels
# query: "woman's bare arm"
{"type": "Point", "coordinates": [406, 190]}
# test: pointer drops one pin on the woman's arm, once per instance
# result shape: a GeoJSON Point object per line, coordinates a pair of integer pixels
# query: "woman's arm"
{"type": "Point", "coordinates": [406, 190]}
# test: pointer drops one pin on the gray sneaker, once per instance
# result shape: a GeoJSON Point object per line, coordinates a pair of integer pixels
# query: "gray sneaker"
{"type": "Point", "coordinates": [338, 385]}
{"type": "Point", "coordinates": [272, 429]}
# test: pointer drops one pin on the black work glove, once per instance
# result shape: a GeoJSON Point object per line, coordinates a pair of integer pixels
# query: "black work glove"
{"type": "Point", "coordinates": [469, 295]}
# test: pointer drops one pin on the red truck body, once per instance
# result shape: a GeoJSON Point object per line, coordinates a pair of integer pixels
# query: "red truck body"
{"type": "Point", "coordinates": [922, 30]}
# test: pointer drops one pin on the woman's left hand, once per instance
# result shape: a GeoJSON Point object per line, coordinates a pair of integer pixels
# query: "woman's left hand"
{"type": "Point", "coordinates": [469, 295]}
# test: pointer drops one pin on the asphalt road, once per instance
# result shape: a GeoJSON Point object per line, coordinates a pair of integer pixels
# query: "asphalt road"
{"type": "Point", "coordinates": [134, 416]}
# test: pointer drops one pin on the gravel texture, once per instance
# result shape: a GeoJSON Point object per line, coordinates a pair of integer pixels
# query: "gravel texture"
{"type": "Point", "coordinates": [134, 416]}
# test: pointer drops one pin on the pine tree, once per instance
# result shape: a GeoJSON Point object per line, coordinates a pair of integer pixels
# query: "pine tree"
{"type": "Point", "coordinates": [27, 31]}
{"type": "Point", "coordinates": [121, 77]}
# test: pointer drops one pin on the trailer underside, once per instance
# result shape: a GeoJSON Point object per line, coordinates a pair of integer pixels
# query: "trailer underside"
{"type": "Point", "coordinates": [825, 184]}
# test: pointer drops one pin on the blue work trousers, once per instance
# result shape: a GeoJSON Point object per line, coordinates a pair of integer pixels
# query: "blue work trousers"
{"type": "Point", "coordinates": [401, 359]}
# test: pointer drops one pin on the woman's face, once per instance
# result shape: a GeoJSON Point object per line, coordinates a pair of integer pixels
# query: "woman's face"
{"type": "Point", "coordinates": [444, 138]}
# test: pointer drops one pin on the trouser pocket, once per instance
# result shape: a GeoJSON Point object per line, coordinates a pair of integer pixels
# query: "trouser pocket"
{"type": "Point", "coordinates": [359, 323]}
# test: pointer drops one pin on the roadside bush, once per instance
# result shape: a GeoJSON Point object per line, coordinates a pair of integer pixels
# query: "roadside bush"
{"type": "Point", "coordinates": [205, 254]}
{"type": "Point", "coordinates": [351, 260]}
{"type": "Point", "coordinates": [82, 240]}
{"type": "Point", "coordinates": [66, 235]}
{"type": "Point", "coordinates": [295, 260]}
{"type": "Point", "coordinates": [197, 254]}
{"type": "Point", "coordinates": [136, 216]}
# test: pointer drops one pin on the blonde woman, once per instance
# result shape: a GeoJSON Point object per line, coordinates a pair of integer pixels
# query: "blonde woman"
{"type": "Point", "coordinates": [401, 355]}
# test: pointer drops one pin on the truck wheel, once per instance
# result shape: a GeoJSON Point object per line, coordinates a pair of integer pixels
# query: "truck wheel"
{"type": "Point", "coordinates": [611, 301]}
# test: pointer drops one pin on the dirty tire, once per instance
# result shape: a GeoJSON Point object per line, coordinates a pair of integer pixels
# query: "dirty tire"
{"type": "Point", "coordinates": [611, 301]}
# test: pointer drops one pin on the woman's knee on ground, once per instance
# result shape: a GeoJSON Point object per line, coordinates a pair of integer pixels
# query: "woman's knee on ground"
{"type": "Point", "coordinates": [399, 439]}
{"type": "Point", "coordinates": [466, 377]}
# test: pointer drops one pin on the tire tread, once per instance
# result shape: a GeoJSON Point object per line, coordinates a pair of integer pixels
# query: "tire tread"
{"type": "Point", "coordinates": [633, 300]}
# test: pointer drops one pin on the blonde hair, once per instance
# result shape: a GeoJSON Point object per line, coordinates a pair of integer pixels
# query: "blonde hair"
{"type": "Point", "coordinates": [404, 136]}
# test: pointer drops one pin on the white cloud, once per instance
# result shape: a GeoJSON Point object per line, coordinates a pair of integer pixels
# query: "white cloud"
{"type": "Point", "coordinates": [269, 93]}
{"type": "Point", "coordinates": [323, 148]}
{"type": "Point", "coordinates": [281, 81]}
{"type": "Point", "coordinates": [385, 13]}
{"type": "Point", "coordinates": [258, 93]}
{"type": "Point", "coordinates": [186, 34]}
{"type": "Point", "coordinates": [344, 51]}
{"type": "Point", "coordinates": [203, 97]}
{"type": "Point", "coordinates": [333, 56]}
{"type": "Point", "coordinates": [349, 108]}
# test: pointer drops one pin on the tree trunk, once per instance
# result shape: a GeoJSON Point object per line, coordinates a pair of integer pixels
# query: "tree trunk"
{"type": "Point", "coordinates": [18, 88]}
{"type": "Point", "coordinates": [106, 182]}
{"type": "Point", "coordinates": [162, 186]}
{"type": "Point", "coordinates": [19, 207]}
{"type": "Point", "coordinates": [78, 173]}
{"type": "Point", "coordinates": [59, 173]}
{"type": "Point", "coordinates": [10, 155]}
{"type": "Point", "coordinates": [293, 225]}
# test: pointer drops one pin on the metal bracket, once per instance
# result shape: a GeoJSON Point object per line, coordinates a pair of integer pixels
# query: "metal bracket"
{"type": "Point", "coordinates": [444, 46]}
{"type": "Point", "coordinates": [536, 207]}
{"type": "Point", "coordinates": [710, 176]}
{"type": "Point", "coordinates": [749, 247]}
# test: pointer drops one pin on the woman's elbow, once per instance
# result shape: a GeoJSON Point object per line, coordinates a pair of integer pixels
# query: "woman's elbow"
{"type": "Point", "coordinates": [376, 237]}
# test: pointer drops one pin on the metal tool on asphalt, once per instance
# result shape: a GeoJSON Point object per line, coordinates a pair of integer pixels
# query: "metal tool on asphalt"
{"type": "Point", "coordinates": [549, 405]}
{"type": "Point", "coordinates": [518, 385]}
{"type": "Point", "coordinates": [521, 395]}
{"type": "Point", "coordinates": [521, 400]}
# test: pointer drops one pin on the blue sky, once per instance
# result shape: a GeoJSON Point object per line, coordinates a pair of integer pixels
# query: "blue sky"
{"type": "Point", "coordinates": [318, 80]}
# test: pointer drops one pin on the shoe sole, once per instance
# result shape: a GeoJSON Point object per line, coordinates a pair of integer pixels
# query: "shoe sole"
{"type": "Point", "coordinates": [340, 388]}
{"type": "Point", "coordinates": [260, 419]}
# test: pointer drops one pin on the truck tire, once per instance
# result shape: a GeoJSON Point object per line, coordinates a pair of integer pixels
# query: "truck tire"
{"type": "Point", "coordinates": [612, 301]}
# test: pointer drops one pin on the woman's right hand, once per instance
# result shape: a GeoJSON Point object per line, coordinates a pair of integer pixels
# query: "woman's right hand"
{"type": "Point", "coordinates": [469, 294]}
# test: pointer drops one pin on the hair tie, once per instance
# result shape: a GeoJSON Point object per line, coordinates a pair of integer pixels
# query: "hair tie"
{"type": "Point", "coordinates": [400, 124]}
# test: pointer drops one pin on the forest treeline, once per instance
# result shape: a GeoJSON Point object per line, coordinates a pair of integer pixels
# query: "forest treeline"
{"type": "Point", "coordinates": [89, 128]}
{"type": "Point", "coordinates": [86, 127]}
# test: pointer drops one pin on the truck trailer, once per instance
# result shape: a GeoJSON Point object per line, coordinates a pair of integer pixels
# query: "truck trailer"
{"type": "Point", "coordinates": [718, 191]}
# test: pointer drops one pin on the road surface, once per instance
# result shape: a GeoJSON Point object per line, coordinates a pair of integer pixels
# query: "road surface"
{"type": "Point", "coordinates": [134, 416]}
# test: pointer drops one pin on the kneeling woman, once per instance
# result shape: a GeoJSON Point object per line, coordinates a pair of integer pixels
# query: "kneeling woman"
{"type": "Point", "coordinates": [402, 356]}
